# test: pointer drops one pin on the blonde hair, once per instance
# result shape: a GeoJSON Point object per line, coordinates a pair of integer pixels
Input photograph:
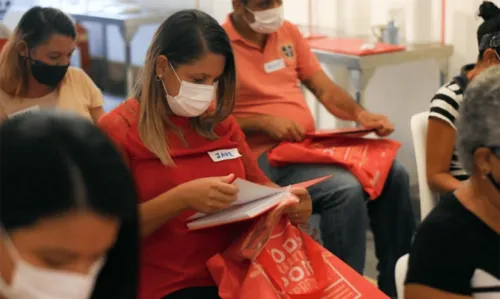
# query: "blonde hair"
{"type": "Point", "coordinates": [36, 26]}
{"type": "Point", "coordinates": [183, 38]}
{"type": "Point", "coordinates": [14, 72]}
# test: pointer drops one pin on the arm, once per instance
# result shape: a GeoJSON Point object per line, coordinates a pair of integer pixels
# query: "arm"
{"type": "Point", "coordinates": [336, 100]}
{"type": "Point", "coordinates": [95, 97]}
{"type": "Point", "coordinates": [96, 113]}
{"type": "Point", "coordinates": [156, 212]}
{"type": "Point", "coordinates": [253, 124]}
{"type": "Point", "coordinates": [441, 138]}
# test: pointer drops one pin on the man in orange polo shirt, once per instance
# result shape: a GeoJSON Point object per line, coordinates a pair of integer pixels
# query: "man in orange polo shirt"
{"type": "Point", "coordinates": [272, 59]}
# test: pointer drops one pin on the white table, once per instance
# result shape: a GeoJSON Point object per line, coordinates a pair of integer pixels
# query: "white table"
{"type": "Point", "coordinates": [362, 68]}
{"type": "Point", "coordinates": [128, 24]}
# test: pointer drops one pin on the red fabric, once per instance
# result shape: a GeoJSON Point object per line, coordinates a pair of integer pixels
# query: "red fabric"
{"type": "Point", "coordinates": [285, 264]}
{"type": "Point", "coordinates": [173, 257]}
{"type": "Point", "coordinates": [370, 160]}
{"type": "Point", "coordinates": [352, 46]}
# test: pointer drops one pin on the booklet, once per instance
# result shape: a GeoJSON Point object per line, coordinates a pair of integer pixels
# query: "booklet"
{"type": "Point", "coordinates": [342, 132]}
{"type": "Point", "coordinates": [252, 201]}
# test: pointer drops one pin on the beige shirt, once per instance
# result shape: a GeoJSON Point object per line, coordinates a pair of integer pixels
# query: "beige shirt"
{"type": "Point", "coordinates": [77, 93]}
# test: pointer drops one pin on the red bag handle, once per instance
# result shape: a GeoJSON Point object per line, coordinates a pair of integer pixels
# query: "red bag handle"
{"type": "Point", "coordinates": [315, 254]}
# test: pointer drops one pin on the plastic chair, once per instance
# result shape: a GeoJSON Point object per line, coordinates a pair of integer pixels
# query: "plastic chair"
{"type": "Point", "coordinates": [400, 274]}
{"type": "Point", "coordinates": [428, 198]}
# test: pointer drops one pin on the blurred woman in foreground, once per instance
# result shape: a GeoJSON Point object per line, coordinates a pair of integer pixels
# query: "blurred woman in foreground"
{"type": "Point", "coordinates": [68, 220]}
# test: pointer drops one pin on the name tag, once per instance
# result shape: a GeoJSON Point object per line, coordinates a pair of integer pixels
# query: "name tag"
{"type": "Point", "coordinates": [274, 65]}
{"type": "Point", "coordinates": [225, 154]}
{"type": "Point", "coordinates": [29, 110]}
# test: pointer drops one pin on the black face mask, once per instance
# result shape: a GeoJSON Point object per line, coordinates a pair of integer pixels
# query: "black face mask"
{"type": "Point", "coordinates": [47, 74]}
{"type": "Point", "coordinates": [493, 182]}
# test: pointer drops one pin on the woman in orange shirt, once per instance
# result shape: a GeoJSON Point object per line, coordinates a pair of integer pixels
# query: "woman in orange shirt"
{"type": "Point", "coordinates": [169, 133]}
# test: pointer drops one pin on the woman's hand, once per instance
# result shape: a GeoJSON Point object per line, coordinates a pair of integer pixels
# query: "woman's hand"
{"type": "Point", "coordinates": [300, 213]}
{"type": "Point", "coordinates": [208, 195]}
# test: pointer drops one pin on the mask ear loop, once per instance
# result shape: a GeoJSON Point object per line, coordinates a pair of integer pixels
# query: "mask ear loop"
{"type": "Point", "coordinates": [159, 78]}
{"type": "Point", "coordinates": [175, 73]}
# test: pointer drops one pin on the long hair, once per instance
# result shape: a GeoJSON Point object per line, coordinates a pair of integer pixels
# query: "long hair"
{"type": "Point", "coordinates": [53, 163]}
{"type": "Point", "coordinates": [183, 38]}
{"type": "Point", "coordinates": [36, 27]}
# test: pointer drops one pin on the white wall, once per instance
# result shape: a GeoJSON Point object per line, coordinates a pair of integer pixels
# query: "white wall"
{"type": "Point", "coordinates": [398, 91]}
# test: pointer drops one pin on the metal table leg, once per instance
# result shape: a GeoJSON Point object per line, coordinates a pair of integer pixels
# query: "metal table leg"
{"type": "Point", "coordinates": [443, 65]}
{"type": "Point", "coordinates": [127, 35]}
{"type": "Point", "coordinates": [360, 80]}
{"type": "Point", "coordinates": [105, 69]}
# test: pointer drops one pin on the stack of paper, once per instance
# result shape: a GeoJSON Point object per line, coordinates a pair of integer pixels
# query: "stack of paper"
{"type": "Point", "coordinates": [252, 201]}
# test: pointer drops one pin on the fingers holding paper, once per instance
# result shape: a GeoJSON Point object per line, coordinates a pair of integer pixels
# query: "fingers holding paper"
{"type": "Point", "coordinates": [210, 195]}
{"type": "Point", "coordinates": [300, 212]}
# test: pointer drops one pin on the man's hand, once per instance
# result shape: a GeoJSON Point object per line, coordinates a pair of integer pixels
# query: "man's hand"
{"type": "Point", "coordinates": [283, 129]}
{"type": "Point", "coordinates": [300, 213]}
{"type": "Point", "coordinates": [375, 121]}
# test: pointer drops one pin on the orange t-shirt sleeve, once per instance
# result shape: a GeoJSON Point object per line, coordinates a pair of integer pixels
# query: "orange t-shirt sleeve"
{"type": "Point", "coordinates": [252, 169]}
{"type": "Point", "coordinates": [307, 62]}
{"type": "Point", "coordinates": [116, 127]}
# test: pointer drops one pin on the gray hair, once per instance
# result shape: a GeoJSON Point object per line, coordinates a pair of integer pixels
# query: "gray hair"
{"type": "Point", "coordinates": [479, 121]}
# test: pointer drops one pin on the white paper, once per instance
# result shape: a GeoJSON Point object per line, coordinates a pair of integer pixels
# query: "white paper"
{"type": "Point", "coordinates": [251, 191]}
{"type": "Point", "coordinates": [237, 213]}
{"type": "Point", "coordinates": [28, 110]}
{"type": "Point", "coordinates": [248, 192]}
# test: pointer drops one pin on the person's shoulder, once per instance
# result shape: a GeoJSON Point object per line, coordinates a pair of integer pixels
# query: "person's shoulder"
{"type": "Point", "coordinates": [290, 28]}
{"type": "Point", "coordinates": [227, 23]}
{"type": "Point", "coordinates": [449, 221]}
{"type": "Point", "coordinates": [76, 74]}
{"type": "Point", "coordinates": [451, 89]}
{"type": "Point", "coordinates": [226, 126]}
{"type": "Point", "coordinates": [77, 77]}
{"type": "Point", "coordinates": [121, 118]}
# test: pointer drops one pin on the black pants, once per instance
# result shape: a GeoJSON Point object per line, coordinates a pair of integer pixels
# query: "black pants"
{"type": "Point", "coordinates": [195, 293]}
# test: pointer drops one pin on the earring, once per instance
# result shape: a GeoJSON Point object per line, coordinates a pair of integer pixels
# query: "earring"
{"type": "Point", "coordinates": [158, 78]}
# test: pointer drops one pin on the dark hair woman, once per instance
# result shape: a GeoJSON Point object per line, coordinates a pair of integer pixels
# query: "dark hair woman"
{"type": "Point", "coordinates": [68, 216]}
{"type": "Point", "coordinates": [444, 170]}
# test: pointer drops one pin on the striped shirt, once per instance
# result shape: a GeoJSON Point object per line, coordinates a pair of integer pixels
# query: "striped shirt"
{"type": "Point", "coordinates": [445, 106]}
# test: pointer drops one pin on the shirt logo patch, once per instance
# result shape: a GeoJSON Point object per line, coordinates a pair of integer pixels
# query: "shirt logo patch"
{"type": "Point", "coordinates": [225, 154]}
{"type": "Point", "coordinates": [288, 51]}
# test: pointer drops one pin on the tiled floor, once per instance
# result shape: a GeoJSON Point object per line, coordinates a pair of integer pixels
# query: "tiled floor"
{"type": "Point", "coordinates": [371, 261]}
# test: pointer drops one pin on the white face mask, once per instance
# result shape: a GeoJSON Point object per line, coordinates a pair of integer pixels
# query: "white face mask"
{"type": "Point", "coordinates": [33, 282]}
{"type": "Point", "coordinates": [193, 99]}
{"type": "Point", "coordinates": [268, 21]}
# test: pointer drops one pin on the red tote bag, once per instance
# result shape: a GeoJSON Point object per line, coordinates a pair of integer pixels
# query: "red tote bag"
{"type": "Point", "coordinates": [276, 260]}
{"type": "Point", "coordinates": [370, 160]}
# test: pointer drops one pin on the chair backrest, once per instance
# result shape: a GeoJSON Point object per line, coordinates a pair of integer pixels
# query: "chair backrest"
{"type": "Point", "coordinates": [428, 198]}
{"type": "Point", "coordinates": [400, 274]}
